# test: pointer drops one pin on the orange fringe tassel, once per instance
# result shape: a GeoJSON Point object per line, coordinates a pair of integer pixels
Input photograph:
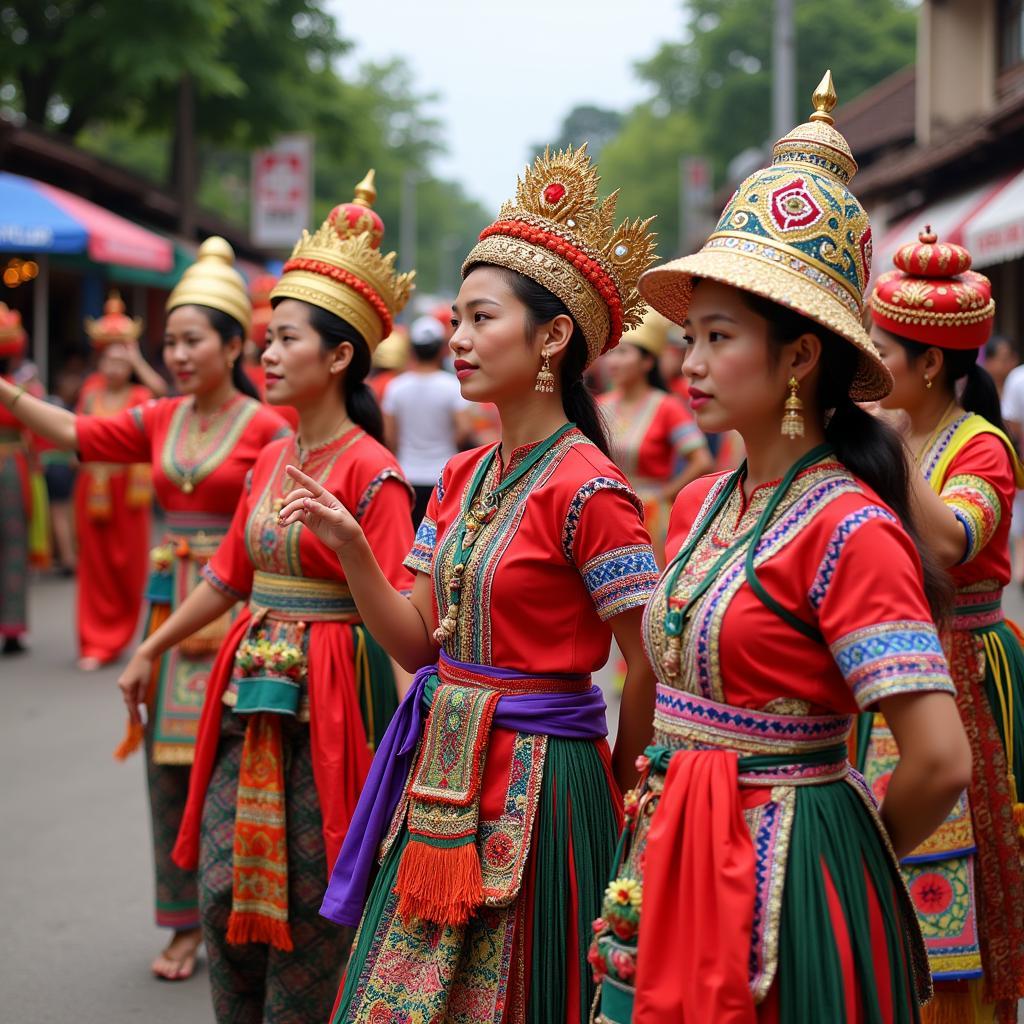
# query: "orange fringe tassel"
{"type": "Point", "coordinates": [133, 737]}
{"type": "Point", "coordinates": [245, 927]}
{"type": "Point", "coordinates": [439, 884]}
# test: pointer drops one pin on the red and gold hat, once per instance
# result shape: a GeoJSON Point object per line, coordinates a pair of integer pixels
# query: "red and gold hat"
{"type": "Point", "coordinates": [114, 326]}
{"type": "Point", "coordinates": [558, 233]}
{"type": "Point", "coordinates": [934, 297]}
{"type": "Point", "coordinates": [260, 289]}
{"type": "Point", "coordinates": [340, 268]}
{"type": "Point", "coordinates": [12, 334]}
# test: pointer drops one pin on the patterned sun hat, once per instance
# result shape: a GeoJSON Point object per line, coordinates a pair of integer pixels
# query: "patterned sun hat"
{"type": "Point", "coordinates": [793, 233]}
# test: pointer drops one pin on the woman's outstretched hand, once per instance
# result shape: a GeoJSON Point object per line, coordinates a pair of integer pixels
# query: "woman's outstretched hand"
{"type": "Point", "coordinates": [319, 511]}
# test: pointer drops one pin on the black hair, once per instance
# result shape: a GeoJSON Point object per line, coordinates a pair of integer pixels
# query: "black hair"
{"type": "Point", "coordinates": [653, 375]}
{"type": "Point", "coordinates": [427, 353]}
{"type": "Point", "coordinates": [996, 342]}
{"type": "Point", "coordinates": [541, 307]}
{"type": "Point", "coordinates": [229, 328]}
{"type": "Point", "coordinates": [979, 395]}
{"type": "Point", "coordinates": [360, 403]}
{"type": "Point", "coordinates": [5, 364]}
{"type": "Point", "coordinates": [869, 448]}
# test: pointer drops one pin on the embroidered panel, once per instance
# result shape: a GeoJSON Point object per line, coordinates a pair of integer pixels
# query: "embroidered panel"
{"type": "Point", "coordinates": [627, 428]}
{"type": "Point", "coordinates": [421, 557]}
{"type": "Point", "coordinates": [190, 453]}
{"type": "Point", "coordinates": [578, 503]}
{"type": "Point", "coordinates": [472, 640]}
{"type": "Point", "coordinates": [933, 456]}
{"type": "Point", "coordinates": [701, 668]}
{"type": "Point", "coordinates": [620, 579]}
{"type": "Point", "coordinates": [833, 551]}
{"type": "Point", "coordinates": [271, 548]}
{"type": "Point", "coordinates": [975, 502]}
{"type": "Point", "coordinates": [422, 973]}
{"type": "Point", "coordinates": [891, 658]}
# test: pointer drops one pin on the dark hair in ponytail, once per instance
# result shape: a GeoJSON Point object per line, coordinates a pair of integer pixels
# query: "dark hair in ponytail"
{"type": "Point", "coordinates": [870, 449]}
{"type": "Point", "coordinates": [360, 403]}
{"type": "Point", "coordinates": [541, 306]}
{"type": "Point", "coordinates": [979, 395]}
{"type": "Point", "coordinates": [229, 328]}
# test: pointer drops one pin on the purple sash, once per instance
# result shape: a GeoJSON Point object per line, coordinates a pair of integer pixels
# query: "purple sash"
{"type": "Point", "coordinates": [574, 716]}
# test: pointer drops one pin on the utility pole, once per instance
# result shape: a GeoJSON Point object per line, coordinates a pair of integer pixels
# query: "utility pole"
{"type": "Point", "coordinates": [185, 158]}
{"type": "Point", "coordinates": [783, 69]}
{"type": "Point", "coordinates": [407, 221]}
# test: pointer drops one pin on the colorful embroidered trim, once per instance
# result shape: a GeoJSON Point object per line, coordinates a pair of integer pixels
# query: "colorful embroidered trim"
{"type": "Point", "coordinates": [575, 511]}
{"type": "Point", "coordinates": [978, 609]}
{"type": "Point", "coordinates": [303, 598]}
{"type": "Point", "coordinates": [834, 549]}
{"type": "Point", "coordinates": [183, 467]}
{"type": "Point", "coordinates": [373, 489]}
{"type": "Point", "coordinates": [620, 579]}
{"type": "Point", "coordinates": [975, 502]}
{"type": "Point", "coordinates": [421, 557]}
{"type": "Point", "coordinates": [891, 658]}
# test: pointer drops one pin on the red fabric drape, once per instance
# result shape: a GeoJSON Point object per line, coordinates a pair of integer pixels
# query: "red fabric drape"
{"type": "Point", "coordinates": [698, 898]}
{"type": "Point", "coordinates": [341, 756]}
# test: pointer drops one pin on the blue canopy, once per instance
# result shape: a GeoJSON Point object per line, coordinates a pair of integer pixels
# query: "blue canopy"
{"type": "Point", "coordinates": [31, 222]}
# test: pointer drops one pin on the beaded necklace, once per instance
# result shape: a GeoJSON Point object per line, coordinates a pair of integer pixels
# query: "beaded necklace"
{"type": "Point", "coordinates": [481, 510]}
{"type": "Point", "coordinates": [676, 612]}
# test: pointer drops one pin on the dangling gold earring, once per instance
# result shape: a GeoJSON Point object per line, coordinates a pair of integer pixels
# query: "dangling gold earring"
{"type": "Point", "coordinates": [545, 379]}
{"type": "Point", "coordinates": [928, 383]}
{"type": "Point", "coordinates": [792, 419]}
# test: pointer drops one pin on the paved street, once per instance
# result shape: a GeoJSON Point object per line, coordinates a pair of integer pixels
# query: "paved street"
{"type": "Point", "coordinates": [77, 937]}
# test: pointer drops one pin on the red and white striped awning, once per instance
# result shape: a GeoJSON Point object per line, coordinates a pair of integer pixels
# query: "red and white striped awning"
{"type": "Point", "coordinates": [988, 219]}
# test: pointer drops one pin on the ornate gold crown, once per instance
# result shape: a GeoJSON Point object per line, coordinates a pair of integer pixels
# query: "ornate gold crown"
{"type": "Point", "coordinates": [340, 268]}
{"type": "Point", "coordinates": [558, 233]}
{"type": "Point", "coordinates": [114, 326]}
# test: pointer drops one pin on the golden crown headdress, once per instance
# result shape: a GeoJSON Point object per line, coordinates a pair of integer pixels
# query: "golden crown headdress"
{"type": "Point", "coordinates": [214, 281]}
{"type": "Point", "coordinates": [114, 326]}
{"type": "Point", "coordinates": [558, 233]}
{"type": "Point", "coordinates": [340, 268]}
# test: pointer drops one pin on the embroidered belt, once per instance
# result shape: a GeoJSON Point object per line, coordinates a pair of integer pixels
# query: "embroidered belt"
{"type": "Point", "coordinates": [300, 599]}
{"type": "Point", "coordinates": [774, 750]}
{"type": "Point", "coordinates": [978, 610]}
{"type": "Point", "coordinates": [505, 680]}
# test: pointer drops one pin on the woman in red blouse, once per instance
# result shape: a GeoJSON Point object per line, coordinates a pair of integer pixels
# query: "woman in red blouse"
{"type": "Point", "coordinates": [112, 501]}
{"type": "Point", "coordinates": [930, 317]}
{"type": "Point", "coordinates": [654, 439]}
{"type": "Point", "coordinates": [793, 598]}
{"type": "Point", "coordinates": [200, 446]}
{"type": "Point", "coordinates": [492, 839]}
{"type": "Point", "coordinates": [300, 691]}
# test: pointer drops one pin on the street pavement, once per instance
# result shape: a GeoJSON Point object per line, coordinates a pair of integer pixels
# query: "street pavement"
{"type": "Point", "coordinates": [77, 932]}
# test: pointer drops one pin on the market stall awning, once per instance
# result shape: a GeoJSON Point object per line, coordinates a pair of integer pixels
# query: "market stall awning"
{"type": "Point", "coordinates": [40, 218]}
{"type": "Point", "coordinates": [953, 219]}
{"type": "Point", "coordinates": [996, 234]}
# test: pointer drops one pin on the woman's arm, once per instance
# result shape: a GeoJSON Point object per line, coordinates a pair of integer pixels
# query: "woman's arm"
{"type": "Point", "coordinates": [199, 609]}
{"type": "Point", "coordinates": [936, 522]}
{"type": "Point", "coordinates": [403, 627]}
{"type": "Point", "coordinates": [146, 374]}
{"type": "Point", "coordinates": [933, 770]}
{"type": "Point", "coordinates": [55, 424]}
{"type": "Point", "coordinates": [636, 711]}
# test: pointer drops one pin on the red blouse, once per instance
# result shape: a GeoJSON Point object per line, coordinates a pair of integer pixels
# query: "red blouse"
{"type": "Point", "coordinates": [197, 466]}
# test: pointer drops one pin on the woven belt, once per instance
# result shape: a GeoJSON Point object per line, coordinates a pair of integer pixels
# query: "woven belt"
{"type": "Point", "coordinates": [774, 749]}
{"type": "Point", "coordinates": [509, 680]}
{"type": "Point", "coordinates": [301, 598]}
{"type": "Point", "coordinates": [978, 610]}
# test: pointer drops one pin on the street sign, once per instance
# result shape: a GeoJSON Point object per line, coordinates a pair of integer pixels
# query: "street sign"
{"type": "Point", "coordinates": [282, 191]}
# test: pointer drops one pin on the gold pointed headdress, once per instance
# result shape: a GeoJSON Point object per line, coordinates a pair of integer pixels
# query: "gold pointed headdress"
{"type": "Point", "coordinates": [340, 268]}
{"type": "Point", "coordinates": [114, 326]}
{"type": "Point", "coordinates": [213, 281]}
{"type": "Point", "coordinates": [795, 234]}
{"type": "Point", "coordinates": [558, 233]}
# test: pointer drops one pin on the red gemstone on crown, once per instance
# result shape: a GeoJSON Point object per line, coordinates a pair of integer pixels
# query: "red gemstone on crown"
{"type": "Point", "coordinates": [553, 193]}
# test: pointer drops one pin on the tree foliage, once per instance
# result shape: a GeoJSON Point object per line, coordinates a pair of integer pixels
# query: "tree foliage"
{"type": "Point", "coordinates": [711, 89]}
{"type": "Point", "coordinates": [107, 74]}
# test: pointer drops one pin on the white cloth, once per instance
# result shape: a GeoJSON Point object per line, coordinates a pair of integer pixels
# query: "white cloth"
{"type": "Point", "coordinates": [424, 407]}
{"type": "Point", "coordinates": [1013, 409]}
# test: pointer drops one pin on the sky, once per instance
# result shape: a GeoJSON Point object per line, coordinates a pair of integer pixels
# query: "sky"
{"type": "Point", "coordinates": [507, 71]}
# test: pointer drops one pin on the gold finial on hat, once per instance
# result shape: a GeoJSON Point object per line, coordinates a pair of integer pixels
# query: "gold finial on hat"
{"type": "Point", "coordinates": [824, 100]}
{"type": "Point", "coordinates": [366, 190]}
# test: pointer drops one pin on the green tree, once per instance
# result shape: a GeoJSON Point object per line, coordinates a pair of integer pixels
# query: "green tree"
{"type": "Point", "coordinates": [596, 126]}
{"type": "Point", "coordinates": [721, 73]}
